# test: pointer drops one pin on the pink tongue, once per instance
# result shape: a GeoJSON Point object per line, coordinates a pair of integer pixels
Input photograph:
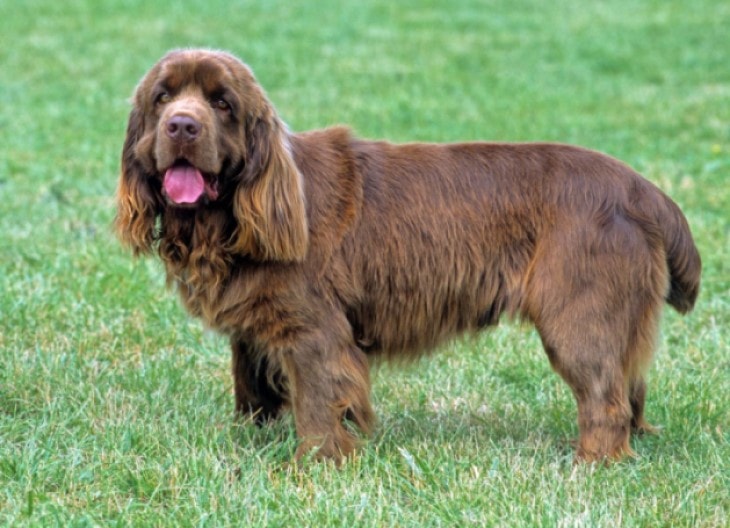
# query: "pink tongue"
{"type": "Point", "coordinates": [184, 184]}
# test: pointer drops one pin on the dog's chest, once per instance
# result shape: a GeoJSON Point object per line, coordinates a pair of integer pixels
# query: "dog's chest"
{"type": "Point", "coordinates": [199, 298]}
{"type": "Point", "coordinates": [238, 297]}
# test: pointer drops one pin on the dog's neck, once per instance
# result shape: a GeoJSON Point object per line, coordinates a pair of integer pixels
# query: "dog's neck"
{"type": "Point", "coordinates": [194, 248]}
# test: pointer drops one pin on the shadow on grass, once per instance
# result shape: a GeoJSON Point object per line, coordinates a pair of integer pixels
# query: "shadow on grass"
{"type": "Point", "coordinates": [456, 432]}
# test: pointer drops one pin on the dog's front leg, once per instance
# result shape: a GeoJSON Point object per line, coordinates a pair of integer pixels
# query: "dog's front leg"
{"type": "Point", "coordinates": [329, 382]}
{"type": "Point", "coordinates": [259, 390]}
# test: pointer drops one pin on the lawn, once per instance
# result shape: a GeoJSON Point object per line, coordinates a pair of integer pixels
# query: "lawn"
{"type": "Point", "coordinates": [116, 407]}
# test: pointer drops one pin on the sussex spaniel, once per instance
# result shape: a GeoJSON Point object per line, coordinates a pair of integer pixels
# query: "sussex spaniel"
{"type": "Point", "coordinates": [315, 252]}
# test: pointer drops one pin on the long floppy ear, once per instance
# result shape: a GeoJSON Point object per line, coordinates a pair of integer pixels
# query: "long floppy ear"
{"type": "Point", "coordinates": [137, 206]}
{"type": "Point", "coordinates": [269, 203]}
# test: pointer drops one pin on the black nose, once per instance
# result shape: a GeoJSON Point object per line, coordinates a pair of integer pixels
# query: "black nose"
{"type": "Point", "coordinates": [183, 128]}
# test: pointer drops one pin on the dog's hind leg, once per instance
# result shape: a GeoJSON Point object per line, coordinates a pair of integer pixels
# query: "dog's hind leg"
{"type": "Point", "coordinates": [641, 345]}
{"type": "Point", "coordinates": [637, 396]}
{"type": "Point", "coordinates": [589, 357]}
{"type": "Point", "coordinates": [594, 293]}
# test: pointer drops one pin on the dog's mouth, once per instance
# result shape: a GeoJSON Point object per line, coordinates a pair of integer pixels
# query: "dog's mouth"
{"type": "Point", "coordinates": [185, 184]}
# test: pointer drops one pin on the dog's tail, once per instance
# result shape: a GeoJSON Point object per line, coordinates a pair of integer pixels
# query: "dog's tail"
{"type": "Point", "coordinates": [671, 228]}
{"type": "Point", "coordinates": [685, 265]}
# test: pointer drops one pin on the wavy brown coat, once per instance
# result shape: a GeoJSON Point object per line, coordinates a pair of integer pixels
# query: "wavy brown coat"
{"type": "Point", "coordinates": [315, 252]}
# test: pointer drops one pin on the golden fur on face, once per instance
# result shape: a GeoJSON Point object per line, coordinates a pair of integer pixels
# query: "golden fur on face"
{"type": "Point", "coordinates": [315, 252]}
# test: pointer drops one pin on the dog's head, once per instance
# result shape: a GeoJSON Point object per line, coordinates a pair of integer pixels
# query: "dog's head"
{"type": "Point", "coordinates": [202, 134]}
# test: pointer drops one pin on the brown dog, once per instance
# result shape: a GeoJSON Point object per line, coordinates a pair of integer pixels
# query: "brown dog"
{"type": "Point", "coordinates": [314, 252]}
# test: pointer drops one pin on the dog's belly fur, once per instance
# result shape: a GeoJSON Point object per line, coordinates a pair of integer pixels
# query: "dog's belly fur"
{"type": "Point", "coordinates": [414, 298]}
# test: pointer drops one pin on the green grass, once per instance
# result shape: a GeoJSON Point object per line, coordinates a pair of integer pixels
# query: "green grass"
{"type": "Point", "coordinates": [116, 407]}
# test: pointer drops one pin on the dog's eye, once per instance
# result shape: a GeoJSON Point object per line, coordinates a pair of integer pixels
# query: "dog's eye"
{"type": "Point", "coordinates": [222, 105]}
{"type": "Point", "coordinates": [163, 98]}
